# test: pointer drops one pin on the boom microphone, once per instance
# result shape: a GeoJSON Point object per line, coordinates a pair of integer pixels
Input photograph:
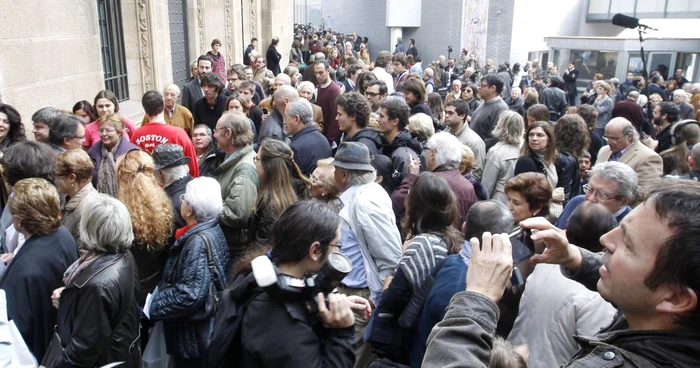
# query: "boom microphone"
{"type": "Point", "coordinates": [628, 22]}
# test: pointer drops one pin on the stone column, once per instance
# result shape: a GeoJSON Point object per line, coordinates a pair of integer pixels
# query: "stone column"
{"type": "Point", "coordinates": [395, 32]}
{"type": "Point", "coordinates": [277, 21]}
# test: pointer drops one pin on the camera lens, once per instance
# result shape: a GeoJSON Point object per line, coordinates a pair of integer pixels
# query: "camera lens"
{"type": "Point", "coordinates": [340, 263]}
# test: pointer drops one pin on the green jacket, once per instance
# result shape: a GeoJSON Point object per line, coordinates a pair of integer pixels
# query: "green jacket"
{"type": "Point", "coordinates": [239, 189]}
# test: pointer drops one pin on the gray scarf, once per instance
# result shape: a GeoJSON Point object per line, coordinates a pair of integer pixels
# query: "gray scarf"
{"type": "Point", "coordinates": [107, 175]}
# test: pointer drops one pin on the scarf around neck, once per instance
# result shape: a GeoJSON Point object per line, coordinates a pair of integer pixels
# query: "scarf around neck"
{"type": "Point", "coordinates": [107, 175]}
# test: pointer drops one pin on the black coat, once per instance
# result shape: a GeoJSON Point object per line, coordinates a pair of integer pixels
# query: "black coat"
{"type": "Point", "coordinates": [30, 279]}
{"type": "Point", "coordinates": [184, 287]}
{"type": "Point", "coordinates": [370, 138]}
{"type": "Point", "coordinates": [421, 107]}
{"type": "Point", "coordinates": [273, 60]}
{"type": "Point", "coordinates": [211, 160]}
{"type": "Point", "coordinates": [191, 93]}
{"type": "Point", "coordinates": [203, 114]}
{"type": "Point", "coordinates": [309, 146]}
{"type": "Point", "coordinates": [295, 341]}
{"type": "Point", "coordinates": [174, 190]}
{"type": "Point", "coordinates": [568, 174]}
{"type": "Point", "coordinates": [98, 314]}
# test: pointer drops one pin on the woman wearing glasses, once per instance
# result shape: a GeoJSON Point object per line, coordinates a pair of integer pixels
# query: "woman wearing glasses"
{"type": "Point", "coordinates": [104, 153]}
{"type": "Point", "coordinates": [281, 185]}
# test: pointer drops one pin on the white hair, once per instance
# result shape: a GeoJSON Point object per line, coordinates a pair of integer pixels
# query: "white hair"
{"type": "Point", "coordinates": [683, 94]}
{"type": "Point", "coordinates": [203, 194]}
{"type": "Point", "coordinates": [695, 88]}
{"type": "Point", "coordinates": [448, 149]}
{"type": "Point", "coordinates": [470, 69]}
{"type": "Point", "coordinates": [173, 174]}
{"type": "Point", "coordinates": [284, 78]}
{"type": "Point", "coordinates": [428, 72]}
{"type": "Point", "coordinates": [100, 209]}
{"type": "Point", "coordinates": [623, 175]}
{"type": "Point", "coordinates": [171, 86]}
{"type": "Point", "coordinates": [303, 109]}
{"type": "Point", "coordinates": [515, 89]}
{"type": "Point", "coordinates": [456, 81]}
{"type": "Point", "coordinates": [305, 84]}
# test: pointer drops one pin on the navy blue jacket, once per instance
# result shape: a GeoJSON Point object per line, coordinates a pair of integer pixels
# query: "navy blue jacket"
{"type": "Point", "coordinates": [184, 287]}
{"type": "Point", "coordinates": [309, 146]}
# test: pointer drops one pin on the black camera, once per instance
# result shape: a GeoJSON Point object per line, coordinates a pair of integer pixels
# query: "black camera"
{"type": "Point", "coordinates": [288, 288]}
{"type": "Point", "coordinates": [449, 49]}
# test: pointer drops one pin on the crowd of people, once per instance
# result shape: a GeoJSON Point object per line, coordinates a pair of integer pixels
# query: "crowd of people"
{"type": "Point", "coordinates": [464, 215]}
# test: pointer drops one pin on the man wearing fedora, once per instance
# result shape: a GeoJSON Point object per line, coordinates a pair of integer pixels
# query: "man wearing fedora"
{"type": "Point", "coordinates": [368, 232]}
{"type": "Point", "coordinates": [173, 174]}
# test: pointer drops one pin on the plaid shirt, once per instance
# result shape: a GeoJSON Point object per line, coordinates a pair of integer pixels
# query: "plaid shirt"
{"type": "Point", "coordinates": [218, 66]}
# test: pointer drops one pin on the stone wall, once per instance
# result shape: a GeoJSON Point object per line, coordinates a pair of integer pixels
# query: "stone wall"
{"type": "Point", "coordinates": [49, 54]}
{"type": "Point", "coordinates": [50, 50]}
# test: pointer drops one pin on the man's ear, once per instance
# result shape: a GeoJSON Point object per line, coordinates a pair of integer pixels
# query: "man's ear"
{"type": "Point", "coordinates": [315, 251]}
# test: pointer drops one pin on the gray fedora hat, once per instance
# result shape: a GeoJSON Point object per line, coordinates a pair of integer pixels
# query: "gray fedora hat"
{"type": "Point", "coordinates": [352, 156]}
{"type": "Point", "coordinates": [168, 155]}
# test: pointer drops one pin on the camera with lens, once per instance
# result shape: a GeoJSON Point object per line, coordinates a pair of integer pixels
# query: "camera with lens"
{"type": "Point", "coordinates": [449, 49]}
{"type": "Point", "coordinates": [286, 288]}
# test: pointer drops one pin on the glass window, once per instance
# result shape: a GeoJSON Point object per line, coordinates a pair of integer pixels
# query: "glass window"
{"type": "Point", "coordinates": [591, 62]}
{"type": "Point", "coordinates": [622, 6]}
{"type": "Point", "coordinates": [598, 7]}
{"type": "Point", "coordinates": [654, 8]}
{"type": "Point", "coordinates": [688, 63]}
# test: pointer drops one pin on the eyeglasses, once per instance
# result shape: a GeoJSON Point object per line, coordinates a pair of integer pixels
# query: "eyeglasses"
{"type": "Point", "coordinates": [107, 130]}
{"type": "Point", "coordinates": [587, 188]}
{"type": "Point", "coordinates": [372, 94]}
{"type": "Point", "coordinates": [182, 197]}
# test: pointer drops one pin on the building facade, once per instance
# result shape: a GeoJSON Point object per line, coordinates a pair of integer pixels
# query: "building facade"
{"type": "Point", "coordinates": [55, 53]}
{"type": "Point", "coordinates": [521, 30]}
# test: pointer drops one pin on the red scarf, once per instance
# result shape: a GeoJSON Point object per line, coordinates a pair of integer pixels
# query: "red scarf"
{"type": "Point", "coordinates": [181, 231]}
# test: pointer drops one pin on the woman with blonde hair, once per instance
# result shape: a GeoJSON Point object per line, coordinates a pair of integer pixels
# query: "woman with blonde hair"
{"type": "Point", "coordinates": [73, 178]}
{"type": "Point", "coordinates": [323, 186]}
{"type": "Point", "coordinates": [151, 216]}
{"type": "Point", "coordinates": [37, 267]}
{"type": "Point", "coordinates": [105, 152]}
{"type": "Point", "coordinates": [281, 185]}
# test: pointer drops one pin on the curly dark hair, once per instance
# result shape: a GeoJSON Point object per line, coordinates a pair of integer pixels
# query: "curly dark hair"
{"type": "Point", "coordinates": [571, 134]}
{"type": "Point", "coordinates": [16, 133]}
{"type": "Point", "coordinates": [357, 106]}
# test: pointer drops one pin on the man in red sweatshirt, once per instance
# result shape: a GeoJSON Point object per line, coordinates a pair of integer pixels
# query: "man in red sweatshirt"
{"type": "Point", "coordinates": [157, 132]}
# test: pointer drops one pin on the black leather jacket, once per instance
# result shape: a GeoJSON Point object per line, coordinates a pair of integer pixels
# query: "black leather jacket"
{"type": "Point", "coordinates": [98, 314]}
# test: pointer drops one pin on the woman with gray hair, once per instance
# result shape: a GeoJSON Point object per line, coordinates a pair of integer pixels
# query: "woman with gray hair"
{"type": "Point", "coordinates": [98, 311]}
{"type": "Point", "coordinates": [501, 158]}
{"type": "Point", "coordinates": [196, 261]}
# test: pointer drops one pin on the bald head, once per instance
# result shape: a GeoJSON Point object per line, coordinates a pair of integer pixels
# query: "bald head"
{"type": "Point", "coordinates": [283, 96]}
{"type": "Point", "coordinates": [319, 56]}
{"type": "Point", "coordinates": [620, 134]}
{"type": "Point", "coordinates": [170, 94]}
{"type": "Point", "coordinates": [694, 159]}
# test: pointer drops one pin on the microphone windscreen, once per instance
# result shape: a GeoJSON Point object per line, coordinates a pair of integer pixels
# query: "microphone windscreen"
{"type": "Point", "coordinates": [625, 21]}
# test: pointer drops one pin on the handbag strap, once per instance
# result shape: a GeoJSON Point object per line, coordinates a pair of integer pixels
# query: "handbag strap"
{"type": "Point", "coordinates": [210, 259]}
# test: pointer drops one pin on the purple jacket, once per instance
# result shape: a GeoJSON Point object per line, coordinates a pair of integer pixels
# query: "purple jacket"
{"type": "Point", "coordinates": [95, 154]}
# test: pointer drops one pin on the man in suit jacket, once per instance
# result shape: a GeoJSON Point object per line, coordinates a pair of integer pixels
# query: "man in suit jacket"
{"type": "Point", "coordinates": [192, 90]}
{"type": "Point", "coordinates": [624, 146]}
{"type": "Point", "coordinates": [570, 76]}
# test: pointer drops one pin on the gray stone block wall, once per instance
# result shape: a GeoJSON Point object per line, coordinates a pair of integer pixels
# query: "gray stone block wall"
{"type": "Point", "coordinates": [500, 30]}
{"type": "Point", "coordinates": [441, 26]}
{"type": "Point", "coordinates": [367, 17]}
